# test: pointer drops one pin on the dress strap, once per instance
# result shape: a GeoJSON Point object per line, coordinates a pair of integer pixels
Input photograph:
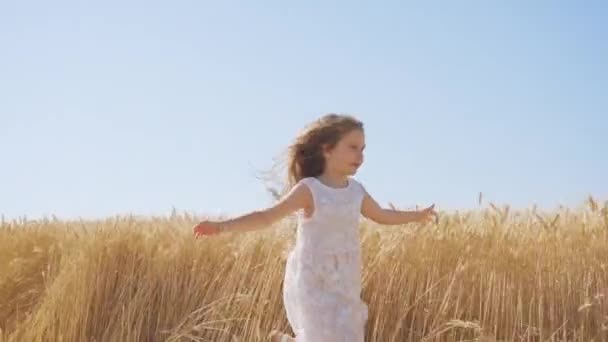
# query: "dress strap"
{"type": "Point", "coordinates": [313, 187]}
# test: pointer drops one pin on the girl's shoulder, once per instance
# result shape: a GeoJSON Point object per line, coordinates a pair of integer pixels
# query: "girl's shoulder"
{"type": "Point", "coordinates": [358, 185]}
{"type": "Point", "coordinates": [307, 180]}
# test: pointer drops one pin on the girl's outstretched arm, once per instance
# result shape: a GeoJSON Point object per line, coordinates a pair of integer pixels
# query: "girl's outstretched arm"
{"type": "Point", "coordinates": [298, 198]}
{"type": "Point", "coordinates": [372, 210]}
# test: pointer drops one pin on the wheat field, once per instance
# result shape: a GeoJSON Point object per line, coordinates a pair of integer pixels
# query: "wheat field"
{"type": "Point", "coordinates": [491, 274]}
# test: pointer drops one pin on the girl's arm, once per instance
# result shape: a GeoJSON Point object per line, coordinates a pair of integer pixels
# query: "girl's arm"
{"type": "Point", "coordinates": [298, 198]}
{"type": "Point", "coordinates": [372, 210]}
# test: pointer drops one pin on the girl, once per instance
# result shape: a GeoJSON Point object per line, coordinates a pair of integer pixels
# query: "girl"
{"type": "Point", "coordinates": [322, 286]}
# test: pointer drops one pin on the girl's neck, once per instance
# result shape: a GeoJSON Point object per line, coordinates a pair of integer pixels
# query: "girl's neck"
{"type": "Point", "coordinates": [334, 180]}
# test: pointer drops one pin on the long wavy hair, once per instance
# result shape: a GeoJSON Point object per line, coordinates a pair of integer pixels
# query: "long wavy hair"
{"type": "Point", "coordinates": [305, 157]}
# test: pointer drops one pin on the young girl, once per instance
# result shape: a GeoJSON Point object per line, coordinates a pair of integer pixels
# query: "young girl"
{"type": "Point", "coordinates": [322, 286]}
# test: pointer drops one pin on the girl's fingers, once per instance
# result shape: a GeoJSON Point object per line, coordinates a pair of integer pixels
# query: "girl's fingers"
{"type": "Point", "coordinates": [199, 230]}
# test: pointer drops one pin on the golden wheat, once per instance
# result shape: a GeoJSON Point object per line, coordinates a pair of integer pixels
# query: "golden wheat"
{"type": "Point", "coordinates": [488, 275]}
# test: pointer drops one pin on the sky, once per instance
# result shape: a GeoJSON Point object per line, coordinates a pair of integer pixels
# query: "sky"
{"type": "Point", "coordinates": [133, 107]}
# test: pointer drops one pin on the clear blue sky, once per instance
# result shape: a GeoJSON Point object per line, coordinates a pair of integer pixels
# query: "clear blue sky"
{"type": "Point", "coordinates": [137, 107]}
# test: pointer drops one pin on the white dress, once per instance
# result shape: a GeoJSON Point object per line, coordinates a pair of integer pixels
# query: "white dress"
{"type": "Point", "coordinates": [322, 287]}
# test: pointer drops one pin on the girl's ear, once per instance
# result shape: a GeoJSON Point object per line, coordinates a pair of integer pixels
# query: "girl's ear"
{"type": "Point", "coordinates": [325, 149]}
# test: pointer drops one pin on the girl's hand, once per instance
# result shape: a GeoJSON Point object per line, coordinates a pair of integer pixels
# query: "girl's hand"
{"type": "Point", "coordinates": [428, 215]}
{"type": "Point", "coordinates": [206, 228]}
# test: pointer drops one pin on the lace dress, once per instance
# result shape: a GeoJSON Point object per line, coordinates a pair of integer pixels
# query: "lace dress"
{"type": "Point", "coordinates": [322, 287]}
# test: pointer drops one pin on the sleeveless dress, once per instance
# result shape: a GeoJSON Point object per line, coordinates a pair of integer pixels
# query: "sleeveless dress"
{"type": "Point", "coordinates": [322, 285]}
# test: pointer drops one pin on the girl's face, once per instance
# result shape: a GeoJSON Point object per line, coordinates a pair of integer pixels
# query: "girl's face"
{"type": "Point", "coordinates": [347, 156]}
